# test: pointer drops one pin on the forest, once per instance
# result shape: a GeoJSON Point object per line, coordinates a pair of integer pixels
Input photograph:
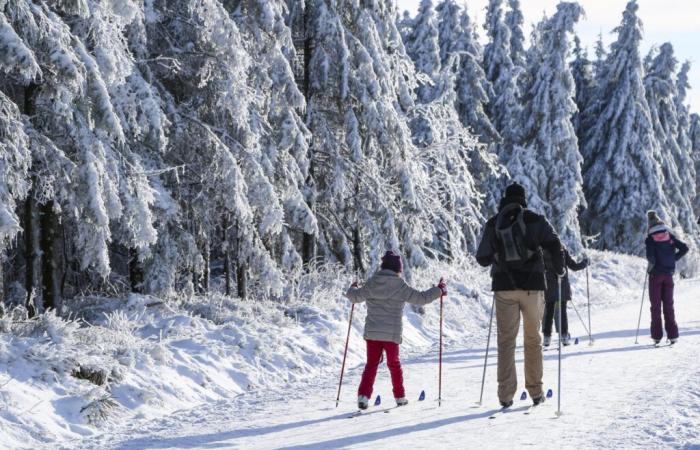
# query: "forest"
{"type": "Point", "coordinates": [175, 147]}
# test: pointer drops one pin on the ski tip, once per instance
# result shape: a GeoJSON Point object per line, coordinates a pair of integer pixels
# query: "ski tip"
{"type": "Point", "coordinates": [523, 396]}
{"type": "Point", "coordinates": [549, 393]}
{"type": "Point", "coordinates": [421, 397]}
{"type": "Point", "coordinates": [378, 401]}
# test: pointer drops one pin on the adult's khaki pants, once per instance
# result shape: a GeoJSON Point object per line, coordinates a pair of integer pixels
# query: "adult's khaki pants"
{"type": "Point", "coordinates": [509, 306]}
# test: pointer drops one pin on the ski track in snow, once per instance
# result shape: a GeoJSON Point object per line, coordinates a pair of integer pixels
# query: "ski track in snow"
{"type": "Point", "coordinates": [615, 395]}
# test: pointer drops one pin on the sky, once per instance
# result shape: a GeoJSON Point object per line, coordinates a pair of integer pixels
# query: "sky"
{"type": "Point", "coordinates": [675, 21]}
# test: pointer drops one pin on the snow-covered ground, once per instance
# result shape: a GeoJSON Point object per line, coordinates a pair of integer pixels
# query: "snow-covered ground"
{"type": "Point", "coordinates": [246, 380]}
{"type": "Point", "coordinates": [615, 394]}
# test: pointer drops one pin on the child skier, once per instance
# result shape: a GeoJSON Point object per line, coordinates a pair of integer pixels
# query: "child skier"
{"type": "Point", "coordinates": [386, 292]}
{"type": "Point", "coordinates": [663, 250]}
{"type": "Point", "coordinates": [551, 297]}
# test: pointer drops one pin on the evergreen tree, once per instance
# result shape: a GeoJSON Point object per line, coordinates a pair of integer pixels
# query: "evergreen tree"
{"type": "Point", "coordinates": [284, 150]}
{"type": "Point", "coordinates": [504, 106]}
{"type": "Point", "coordinates": [514, 20]}
{"type": "Point", "coordinates": [449, 30]}
{"type": "Point", "coordinates": [695, 133]}
{"type": "Point", "coordinates": [674, 156]}
{"type": "Point", "coordinates": [622, 178]}
{"type": "Point", "coordinates": [694, 137]}
{"type": "Point", "coordinates": [423, 46]}
{"type": "Point", "coordinates": [600, 56]}
{"type": "Point", "coordinates": [473, 93]}
{"type": "Point", "coordinates": [549, 163]}
{"type": "Point", "coordinates": [582, 71]}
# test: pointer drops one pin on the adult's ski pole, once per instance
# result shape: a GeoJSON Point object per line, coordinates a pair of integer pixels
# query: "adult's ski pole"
{"type": "Point", "coordinates": [486, 357]}
{"type": "Point", "coordinates": [559, 367]}
{"type": "Point", "coordinates": [440, 354]}
{"type": "Point", "coordinates": [581, 319]}
{"type": "Point", "coordinates": [345, 354]}
{"type": "Point", "coordinates": [588, 294]}
{"type": "Point", "coordinates": [641, 306]}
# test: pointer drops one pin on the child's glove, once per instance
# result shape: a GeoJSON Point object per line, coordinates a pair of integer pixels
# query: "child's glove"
{"type": "Point", "coordinates": [442, 286]}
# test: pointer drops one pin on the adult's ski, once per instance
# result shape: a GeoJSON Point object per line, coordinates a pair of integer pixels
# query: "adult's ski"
{"type": "Point", "coordinates": [532, 408]}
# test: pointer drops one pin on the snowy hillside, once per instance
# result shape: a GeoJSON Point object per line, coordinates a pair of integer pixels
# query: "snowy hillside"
{"type": "Point", "coordinates": [615, 394]}
{"type": "Point", "coordinates": [156, 358]}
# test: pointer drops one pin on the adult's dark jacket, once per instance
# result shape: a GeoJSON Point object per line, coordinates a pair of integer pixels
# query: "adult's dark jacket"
{"type": "Point", "coordinates": [663, 250]}
{"type": "Point", "coordinates": [551, 294]}
{"type": "Point", "coordinates": [539, 235]}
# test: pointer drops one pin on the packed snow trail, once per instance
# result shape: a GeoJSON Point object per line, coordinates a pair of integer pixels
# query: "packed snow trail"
{"type": "Point", "coordinates": [615, 395]}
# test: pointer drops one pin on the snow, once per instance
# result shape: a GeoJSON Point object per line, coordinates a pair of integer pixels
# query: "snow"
{"type": "Point", "coordinates": [176, 372]}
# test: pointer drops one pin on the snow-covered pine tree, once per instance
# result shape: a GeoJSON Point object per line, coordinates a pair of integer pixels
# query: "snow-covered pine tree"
{"type": "Point", "coordinates": [582, 71]}
{"type": "Point", "coordinates": [372, 193]}
{"type": "Point", "coordinates": [222, 189]}
{"type": "Point", "coordinates": [504, 107]}
{"type": "Point", "coordinates": [284, 138]}
{"type": "Point", "coordinates": [457, 40]}
{"type": "Point", "coordinates": [449, 29]}
{"type": "Point", "coordinates": [687, 131]}
{"type": "Point", "coordinates": [601, 55]}
{"type": "Point", "coordinates": [472, 87]}
{"type": "Point", "coordinates": [514, 21]}
{"type": "Point", "coordinates": [447, 149]}
{"type": "Point", "coordinates": [83, 176]}
{"type": "Point", "coordinates": [621, 176]}
{"type": "Point", "coordinates": [548, 163]}
{"type": "Point", "coordinates": [694, 137]}
{"type": "Point", "coordinates": [674, 156]}
{"type": "Point", "coordinates": [423, 46]}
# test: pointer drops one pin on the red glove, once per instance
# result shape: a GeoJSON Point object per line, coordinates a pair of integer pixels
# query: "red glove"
{"type": "Point", "coordinates": [443, 286]}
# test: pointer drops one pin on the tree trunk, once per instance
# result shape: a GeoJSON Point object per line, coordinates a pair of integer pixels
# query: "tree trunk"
{"type": "Point", "coordinates": [207, 257]}
{"type": "Point", "coordinates": [30, 253]}
{"type": "Point", "coordinates": [357, 250]}
{"type": "Point", "coordinates": [30, 250]}
{"type": "Point", "coordinates": [241, 274]}
{"type": "Point", "coordinates": [227, 255]}
{"type": "Point", "coordinates": [308, 251]}
{"type": "Point", "coordinates": [2, 279]}
{"type": "Point", "coordinates": [242, 280]}
{"type": "Point", "coordinates": [49, 264]}
{"type": "Point", "coordinates": [136, 275]}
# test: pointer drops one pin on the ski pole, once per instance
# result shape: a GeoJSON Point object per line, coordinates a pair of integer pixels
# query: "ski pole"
{"type": "Point", "coordinates": [588, 294]}
{"type": "Point", "coordinates": [486, 357]}
{"type": "Point", "coordinates": [581, 319]}
{"type": "Point", "coordinates": [440, 357]}
{"type": "Point", "coordinates": [345, 354]}
{"type": "Point", "coordinates": [559, 367]}
{"type": "Point", "coordinates": [641, 306]}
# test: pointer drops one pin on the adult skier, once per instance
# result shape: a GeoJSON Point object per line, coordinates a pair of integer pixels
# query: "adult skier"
{"type": "Point", "coordinates": [386, 293]}
{"type": "Point", "coordinates": [551, 297]}
{"type": "Point", "coordinates": [663, 250]}
{"type": "Point", "coordinates": [512, 245]}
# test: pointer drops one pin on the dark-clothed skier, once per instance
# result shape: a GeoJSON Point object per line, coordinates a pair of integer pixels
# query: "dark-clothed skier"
{"type": "Point", "coordinates": [551, 297]}
{"type": "Point", "coordinates": [663, 250]}
{"type": "Point", "coordinates": [512, 245]}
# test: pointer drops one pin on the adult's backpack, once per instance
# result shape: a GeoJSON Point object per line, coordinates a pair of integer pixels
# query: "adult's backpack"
{"type": "Point", "coordinates": [511, 231]}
